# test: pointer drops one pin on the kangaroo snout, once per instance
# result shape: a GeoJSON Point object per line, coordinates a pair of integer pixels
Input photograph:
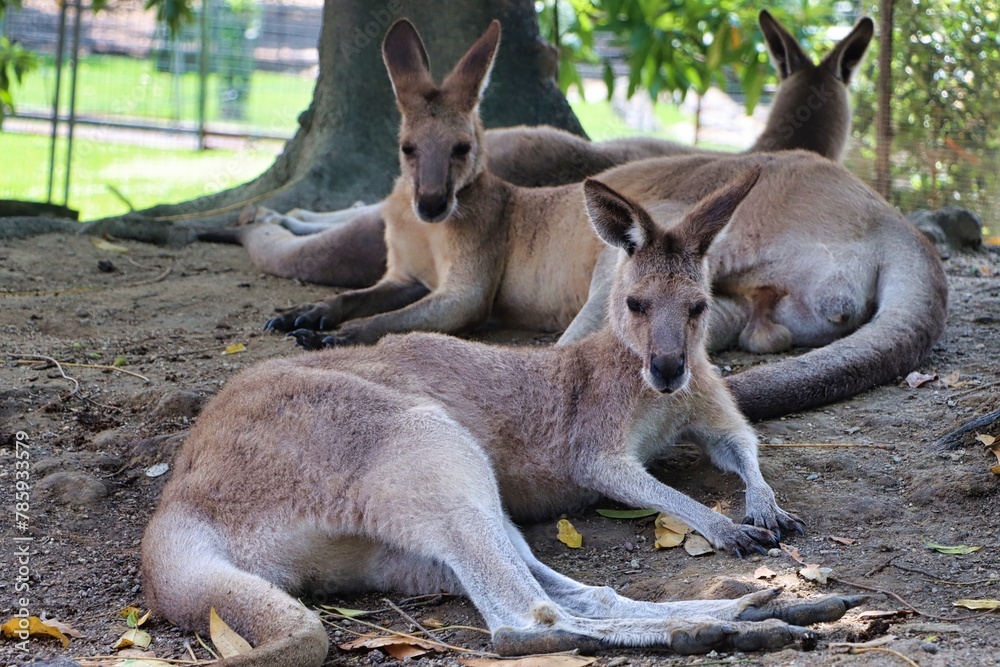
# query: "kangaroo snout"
{"type": "Point", "coordinates": [667, 372]}
{"type": "Point", "coordinates": [433, 206]}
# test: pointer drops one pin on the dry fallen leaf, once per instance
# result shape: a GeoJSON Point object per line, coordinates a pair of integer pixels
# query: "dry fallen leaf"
{"type": "Point", "coordinates": [226, 640]}
{"type": "Point", "coordinates": [813, 572]}
{"type": "Point", "coordinates": [986, 439]}
{"type": "Point", "coordinates": [626, 514]}
{"type": "Point", "coordinates": [917, 379]}
{"type": "Point", "coordinates": [533, 661]}
{"type": "Point", "coordinates": [669, 531]}
{"type": "Point", "coordinates": [130, 657]}
{"type": "Point", "coordinates": [133, 637]}
{"type": "Point", "coordinates": [846, 541]}
{"type": "Point", "coordinates": [951, 379]}
{"type": "Point", "coordinates": [32, 626]}
{"type": "Point", "coordinates": [992, 605]}
{"type": "Point", "coordinates": [396, 646]}
{"type": "Point", "coordinates": [569, 535]}
{"type": "Point", "coordinates": [993, 444]}
{"type": "Point", "coordinates": [235, 348]}
{"type": "Point", "coordinates": [108, 246]}
{"type": "Point", "coordinates": [696, 545]}
{"type": "Point", "coordinates": [764, 572]}
{"type": "Point", "coordinates": [793, 552]}
{"type": "Point", "coordinates": [349, 613]}
{"type": "Point", "coordinates": [67, 630]}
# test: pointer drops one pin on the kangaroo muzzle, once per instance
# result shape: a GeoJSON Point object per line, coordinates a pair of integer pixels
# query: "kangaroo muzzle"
{"type": "Point", "coordinates": [667, 373]}
{"type": "Point", "coordinates": [433, 206]}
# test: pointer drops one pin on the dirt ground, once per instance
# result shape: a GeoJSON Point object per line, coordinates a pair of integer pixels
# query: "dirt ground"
{"type": "Point", "coordinates": [170, 313]}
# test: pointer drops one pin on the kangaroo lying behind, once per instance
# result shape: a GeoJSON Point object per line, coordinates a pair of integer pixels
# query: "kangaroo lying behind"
{"type": "Point", "coordinates": [811, 111]}
{"type": "Point", "coordinates": [490, 434]}
{"type": "Point", "coordinates": [811, 256]}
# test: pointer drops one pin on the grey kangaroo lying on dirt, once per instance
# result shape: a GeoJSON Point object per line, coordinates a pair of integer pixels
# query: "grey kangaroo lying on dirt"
{"type": "Point", "coordinates": [811, 111]}
{"type": "Point", "coordinates": [812, 256]}
{"type": "Point", "coordinates": [485, 430]}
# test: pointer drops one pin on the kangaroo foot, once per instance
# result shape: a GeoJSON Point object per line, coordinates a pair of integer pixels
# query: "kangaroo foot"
{"type": "Point", "coordinates": [508, 641]}
{"type": "Point", "coordinates": [713, 635]}
{"type": "Point", "coordinates": [765, 604]}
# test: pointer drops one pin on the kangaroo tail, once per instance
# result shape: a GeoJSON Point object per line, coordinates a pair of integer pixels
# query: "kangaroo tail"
{"type": "Point", "coordinates": [911, 309]}
{"type": "Point", "coordinates": [186, 573]}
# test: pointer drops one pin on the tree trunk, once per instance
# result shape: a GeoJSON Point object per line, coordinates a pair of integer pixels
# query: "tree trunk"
{"type": "Point", "coordinates": [345, 148]}
{"type": "Point", "coordinates": [883, 111]}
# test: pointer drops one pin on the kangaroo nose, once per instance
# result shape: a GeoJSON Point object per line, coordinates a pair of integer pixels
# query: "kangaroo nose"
{"type": "Point", "coordinates": [666, 371]}
{"type": "Point", "coordinates": [432, 206]}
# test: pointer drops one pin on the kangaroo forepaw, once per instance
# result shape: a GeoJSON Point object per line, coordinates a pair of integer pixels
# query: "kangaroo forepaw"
{"type": "Point", "coordinates": [743, 539]}
{"type": "Point", "coordinates": [799, 612]}
{"type": "Point", "coordinates": [776, 520]}
{"type": "Point", "coordinates": [313, 316]}
{"type": "Point", "coordinates": [737, 635]}
{"type": "Point", "coordinates": [307, 339]}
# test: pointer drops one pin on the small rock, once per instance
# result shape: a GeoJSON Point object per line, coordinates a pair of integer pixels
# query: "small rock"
{"type": "Point", "coordinates": [73, 488]}
{"type": "Point", "coordinates": [929, 647]}
{"type": "Point", "coordinates": [105, 266]}
{"type": "Point", "coordinates": [634, 564]}
{"type": "Point", "coordinates": [178, 404]}
{"type": "Point", "coordinates": [81, 312]}
{"type": "Point", "coordinates": [812, 476]}
{"type": "Point", "coordinates": [774, 553]}
{"type": "Point", "coordinates": [618, 662]}
{"type": "Point", "coordinates": [629, 547]}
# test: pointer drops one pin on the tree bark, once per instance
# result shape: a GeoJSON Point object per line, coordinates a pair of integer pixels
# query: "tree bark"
{"type": "Point", "coordinates": [345, 147]}
{"type": "Point", "coordinates": [883, 112]}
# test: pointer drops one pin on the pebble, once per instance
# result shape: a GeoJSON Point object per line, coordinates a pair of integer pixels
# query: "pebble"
{"type": "Point", "coordinates": [73, 488]}
{"type": "Point", "coordinates": [812, 476]}
{"type": "Point", "coordinates": [634, 564]}
{"type": "Point", "coordinates": [81, 312]}
{"type": "Point", "coordinates": [929, 647]}
{"type": "Point", "coordinates": [178, 404]}
{"type": "Point", "coordinates": [774, 553]}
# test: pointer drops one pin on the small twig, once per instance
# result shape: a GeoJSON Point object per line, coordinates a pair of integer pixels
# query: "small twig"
{"type": "Point", "coordinates": [903, 602]}
{"type": "Point", "coordinates": [405, 635]}
{"type": "Point", "coordinates": [42, 357]}
{"type": "Point", "coordinates": [205, 646]}
{"type": "Point", "coordinates": [972, 390]}
{"type": "Point", "coordinates": [97, 366]}
{"type": "Point", "coordinates": [190, 650]}
{"type": "Point", "coordinates": [409, 618]}
{"type": "Point", "coordinates": [884, 650]}
{"type": "Point", "coordinates": [889, 447]}
{"type": "Point", "coordinates": [172, 661]}
{"type": "Point", "coordinates": [87, 288]}
{"type": "Point", "coordinates": [933, 578]}
{"type": "Point", "coordinates": [878, 568]}
{"type": "Point", "coordinates": [166, 272]}
{"type": "Point", "coordinates": [117, 193]}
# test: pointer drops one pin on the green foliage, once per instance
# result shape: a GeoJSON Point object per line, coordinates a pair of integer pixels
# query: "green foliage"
{"type": "Point", "coordinates": [677, 46]}
{"type": "Point", "coordinates": [173, 13]}
{"type": "Point", "coordinates": [945, 101]}
{"type": "Point", "coordinates": [15, 62]}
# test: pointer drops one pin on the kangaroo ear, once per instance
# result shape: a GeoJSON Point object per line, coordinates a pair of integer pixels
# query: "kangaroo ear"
{"type": "Point", "coordinates": [710, 215]}
{"type": "Point", "coordinates": [786, 54]}
{"type": "Point", "coordinates": [618, 220]}
{"type": "Point", "coordinates": [406, 59]}
{"type": "Point", "coordinates": [847, 55]}
{"type": "Point", "coordinates": [469, 78]}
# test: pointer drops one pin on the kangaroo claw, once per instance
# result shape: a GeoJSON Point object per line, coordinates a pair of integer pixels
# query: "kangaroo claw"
{"type": "Point", "coordinates": [802, 612]}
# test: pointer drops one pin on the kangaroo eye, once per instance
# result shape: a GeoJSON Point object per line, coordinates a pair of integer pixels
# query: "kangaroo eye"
{"type": "Point", "coordinates": [698, 308]}
{"type": "Point", "coordinates": [461, 150]}
{"type": "Point", "coordinates": [635, 305]}
{"type": "Point", "coordinates": [409, 149]}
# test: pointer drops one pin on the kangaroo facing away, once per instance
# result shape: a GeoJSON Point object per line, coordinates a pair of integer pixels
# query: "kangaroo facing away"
{"type": "Point", "coordinates": [811, 111]}
{"type": "Point", "coordinates": [486, 430]}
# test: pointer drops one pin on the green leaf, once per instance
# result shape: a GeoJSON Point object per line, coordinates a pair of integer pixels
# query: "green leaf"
{"type": "Point", "coordinates": [350, 613]}
{"type": "Point", "coordinates": [957, 550]}
{"type": "Point", "coordinates": [627, 514]}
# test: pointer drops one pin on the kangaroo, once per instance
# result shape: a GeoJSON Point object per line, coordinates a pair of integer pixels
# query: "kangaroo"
{"type": "Point", "coordinates": [811, 111]}
{"type": "Point", "coordinates": [486, 430]}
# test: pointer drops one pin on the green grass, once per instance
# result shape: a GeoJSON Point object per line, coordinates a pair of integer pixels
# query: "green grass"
{"type": "Point", "coordinates": [127, 87]}
{"type": "Point", "coordinates": [146, 176]}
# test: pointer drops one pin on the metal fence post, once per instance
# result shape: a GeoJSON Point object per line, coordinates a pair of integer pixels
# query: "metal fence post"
{"type": "Point", "coordinates": [203, 79]}
{"type": "Point", "coordinates": [60, 47]}
{"type": "Point", "coordinates": [77, 20]}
